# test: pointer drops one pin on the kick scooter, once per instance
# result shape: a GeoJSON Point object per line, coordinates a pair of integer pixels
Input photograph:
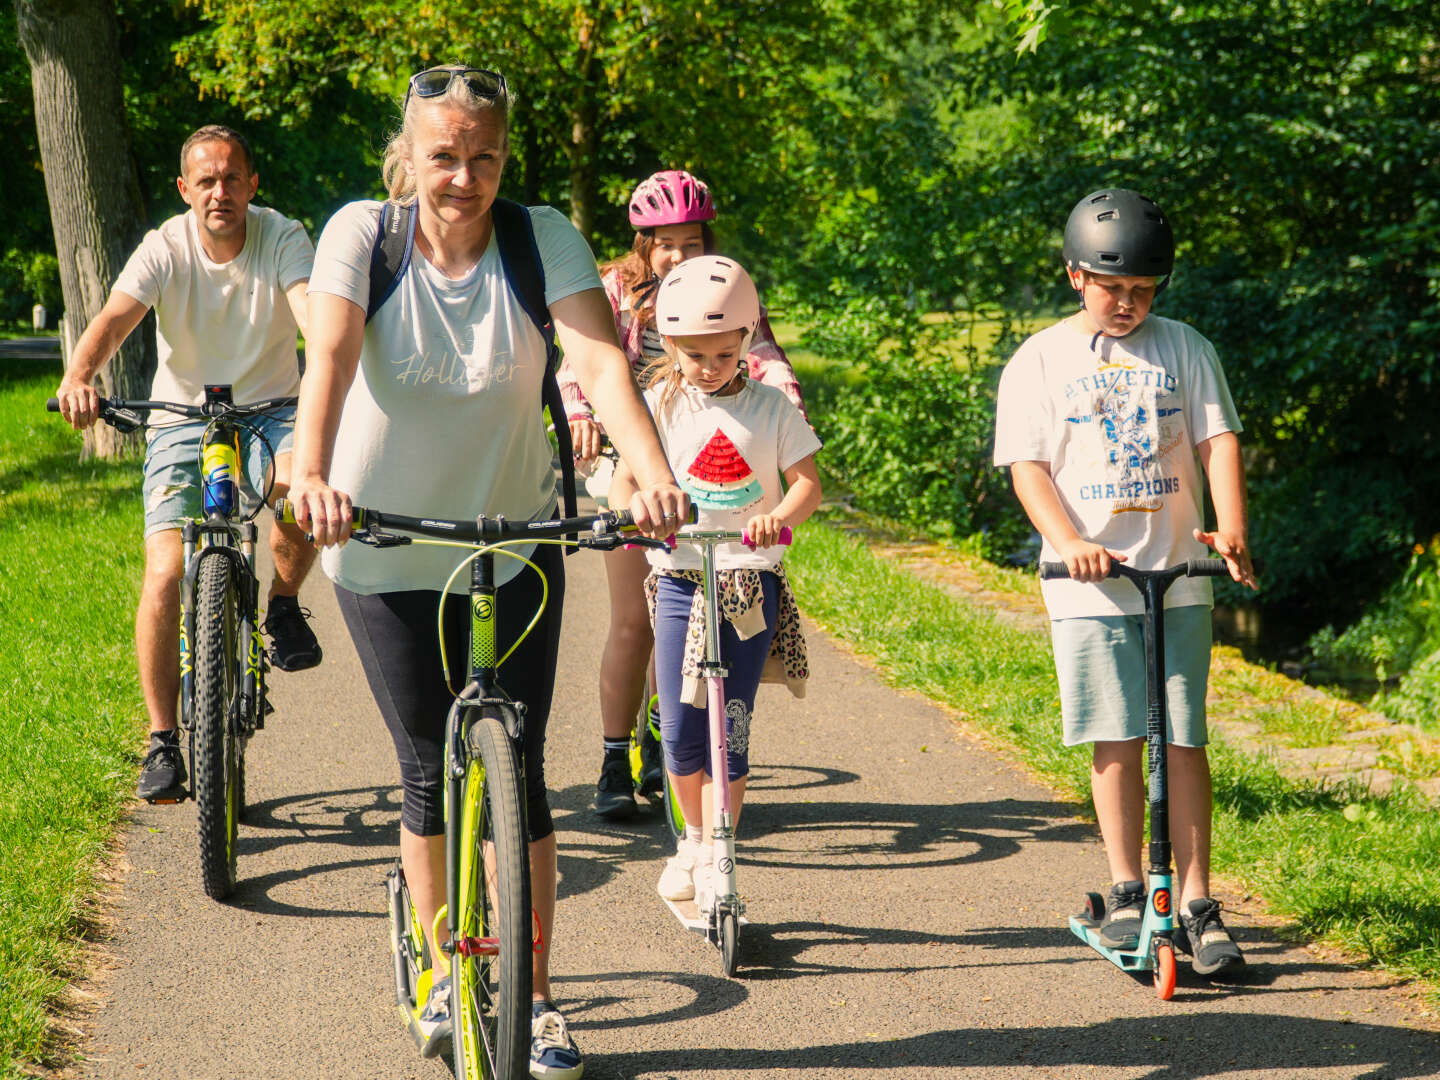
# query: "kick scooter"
{"type": "Point", "coordinates": [721, 925]}
{"type": "Point", "coordinates": [1154, 951]}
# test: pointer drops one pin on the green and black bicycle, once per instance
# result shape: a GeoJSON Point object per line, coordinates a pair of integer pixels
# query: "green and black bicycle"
{"type": "Point", "coordinates": [222, 656]}
{"type": "Point", "coordinates": [489, 925]}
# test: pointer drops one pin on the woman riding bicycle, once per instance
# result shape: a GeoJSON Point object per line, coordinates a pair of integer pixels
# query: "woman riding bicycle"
{"type": "Point", "coordinates": [671, 212]}
{"type": "Point", "coordinates": [433, 408]}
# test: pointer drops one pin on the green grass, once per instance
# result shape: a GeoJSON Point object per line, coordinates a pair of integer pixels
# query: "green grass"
{"type": "Point", "coordinates": [1358, 869]}
{"type": "Point", "coordinates": [71, 721]}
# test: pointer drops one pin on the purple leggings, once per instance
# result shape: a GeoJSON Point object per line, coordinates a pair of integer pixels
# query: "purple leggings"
{"type": "Point", "coordinates": [684, 729]}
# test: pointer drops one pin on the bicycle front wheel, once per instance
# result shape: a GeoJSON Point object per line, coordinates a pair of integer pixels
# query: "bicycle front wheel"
{"type": "Point", "coordinates": [490, 968]}
{"type": "Point", "coordinates": [218, 756]}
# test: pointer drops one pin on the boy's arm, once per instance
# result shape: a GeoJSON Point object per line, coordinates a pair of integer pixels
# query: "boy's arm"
{"type": "Point", "coordinates": [1036, 491]}
{"type": "Point", "coordinates": [1225, 467]}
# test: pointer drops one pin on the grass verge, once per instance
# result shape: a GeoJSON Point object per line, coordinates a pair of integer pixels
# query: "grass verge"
{"type": "Point", "coordinates": [1358, 869]}
{"type": "Point", "coordinates": [70, 721]}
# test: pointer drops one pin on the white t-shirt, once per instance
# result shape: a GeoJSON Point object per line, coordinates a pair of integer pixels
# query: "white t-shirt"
{"type": "Point", "coordinates": [221, 322]}
{"type": "Point", "coordinates": [444, 417]}
{"type": "Point", "coordinates": [728, 454]}
{"type": "Point", "coordinates": [1118, 427]}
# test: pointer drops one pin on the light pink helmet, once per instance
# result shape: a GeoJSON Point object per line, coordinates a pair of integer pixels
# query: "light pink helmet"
{"type": "Point", "coordinates": [708, 294]}
{"type": "Point", "coordinates": [673, 197]}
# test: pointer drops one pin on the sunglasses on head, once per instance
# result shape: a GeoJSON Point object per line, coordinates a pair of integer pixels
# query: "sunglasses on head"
{"type": "Point", "coordinates": [433, 82]}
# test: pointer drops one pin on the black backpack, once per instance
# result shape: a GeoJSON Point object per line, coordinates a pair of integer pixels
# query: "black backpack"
{"type": "Point", "coordinates": [525, 274]}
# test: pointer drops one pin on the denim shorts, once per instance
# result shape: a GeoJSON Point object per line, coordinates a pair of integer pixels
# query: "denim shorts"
{"type": "Point", "coordinates": [172, 466]}
{"type": "Point", "coordinates": [1100, 661]}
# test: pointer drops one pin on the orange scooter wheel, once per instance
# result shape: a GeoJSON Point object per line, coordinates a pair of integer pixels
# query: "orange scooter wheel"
{"type": "Point", "coordinates": [1164, 971]}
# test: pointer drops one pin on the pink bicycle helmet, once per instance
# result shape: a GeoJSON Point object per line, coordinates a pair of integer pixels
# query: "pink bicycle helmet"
{"type": "Point", "coordinates": [673, 197]}
{"type": "Point", "coordinates": [707, 295]}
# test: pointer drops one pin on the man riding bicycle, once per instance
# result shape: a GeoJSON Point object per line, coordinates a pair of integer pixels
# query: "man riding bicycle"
{"type": "Point", "coordinates": [227, 281]}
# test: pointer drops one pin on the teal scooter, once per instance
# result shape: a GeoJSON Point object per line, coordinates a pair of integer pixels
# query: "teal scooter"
{"type": "Point", "coordinates": [1154, 951]}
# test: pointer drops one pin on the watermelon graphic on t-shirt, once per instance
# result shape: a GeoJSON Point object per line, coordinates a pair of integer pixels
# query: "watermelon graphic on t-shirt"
{"type": "Point", "coordinates": [720, 478]}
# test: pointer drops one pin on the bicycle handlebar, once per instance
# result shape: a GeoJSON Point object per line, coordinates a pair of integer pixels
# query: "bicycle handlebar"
{"type": "Point", "coordinates": [127, 415]}
{"type": "Point", "coordinates": [1193, 568]}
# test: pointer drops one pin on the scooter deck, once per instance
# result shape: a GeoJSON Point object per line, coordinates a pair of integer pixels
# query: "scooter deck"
{"type": "Point", "coordinates": [1089, 932]}
{"type": "Point", "coordinates": [690, 917]}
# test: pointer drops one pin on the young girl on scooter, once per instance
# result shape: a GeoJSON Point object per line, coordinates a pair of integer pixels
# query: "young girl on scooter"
{"type": "Point", "coordinates": [730, 440]}
{"type": "Point", "coordinates": [671, 212]}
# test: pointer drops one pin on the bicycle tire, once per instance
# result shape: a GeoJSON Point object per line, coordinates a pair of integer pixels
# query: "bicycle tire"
{"type": "Point", "coordinates": [674, 816]}
{"type": "Point", "coordinates": [218, 755]}
{"type": "Point", "coordinates": [490, 1002]}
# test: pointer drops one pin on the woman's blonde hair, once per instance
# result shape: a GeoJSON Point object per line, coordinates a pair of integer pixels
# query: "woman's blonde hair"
{"type": "Point", "coordinates": [399, 182]}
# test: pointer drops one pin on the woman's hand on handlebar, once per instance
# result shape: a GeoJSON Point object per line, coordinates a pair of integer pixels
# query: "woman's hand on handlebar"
{"type": "Point", "coordinates": [1088, 562]}
{"type": "Point", "coordinates": [79, 403]}
{"type": "Point", "coordinates": [659, 509]}
{"type": "Point", "coordinates": [584, 438]}
{"type": "Point", "coordinates": [1234, 551]}
{"type": "Point", "coordinates": [321, 511]}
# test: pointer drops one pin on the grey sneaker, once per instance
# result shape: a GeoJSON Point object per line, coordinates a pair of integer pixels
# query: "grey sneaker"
{"type": "Point", "coordinates": [434, 1019]}
{"type": "Point", "coordinates": [553, 1053]}
{"type": "Point", "coordinates": [615, 793]}
{"type": "Point", "coordinates": [162, 773]}
{"type": "Point", "coordinates": [1124, 911]}
{"type": "Point", "coordinates": [1204, 937]}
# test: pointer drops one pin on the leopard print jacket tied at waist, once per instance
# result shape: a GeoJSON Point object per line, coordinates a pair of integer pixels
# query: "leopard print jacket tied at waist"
{"type": "Point", "coordinates": [739, 602]}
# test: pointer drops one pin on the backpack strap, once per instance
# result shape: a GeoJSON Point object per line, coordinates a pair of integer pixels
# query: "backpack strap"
{"type": "Point", "coordinates": [391, 256]}
{"type": "Point", "coordinates": [520, 257]}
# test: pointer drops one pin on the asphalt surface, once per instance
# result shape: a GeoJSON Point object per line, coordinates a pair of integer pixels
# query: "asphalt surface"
{"type": "Point", "coordinates": [907, 892]}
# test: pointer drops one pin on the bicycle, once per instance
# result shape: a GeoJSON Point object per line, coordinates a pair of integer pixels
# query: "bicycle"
{"type": "Point", "coordinates": [490, 930]}
{"type": "Point", "coordinates": [721, 925]}
{"type": "Point", "coordinates": [223, 662]}
{"type": "Point", "coordinates": [1154, 951]}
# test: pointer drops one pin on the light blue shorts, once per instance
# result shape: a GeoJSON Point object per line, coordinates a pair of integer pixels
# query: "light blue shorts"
{"type": "Point", "coordinates": [172, 466]}
{"type": "Point", "coordinates": [1100, 661]}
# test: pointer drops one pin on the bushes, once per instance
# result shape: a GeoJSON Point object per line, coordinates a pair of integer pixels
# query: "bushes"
{"type": "Point", "coordinates": [28, 278]}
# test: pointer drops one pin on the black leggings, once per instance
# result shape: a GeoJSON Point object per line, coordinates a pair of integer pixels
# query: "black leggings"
{"type": "Point", "coordinates": [394, 635]}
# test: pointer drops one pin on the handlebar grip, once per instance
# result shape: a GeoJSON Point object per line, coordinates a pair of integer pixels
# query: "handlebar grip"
{"type": "Point", "coordinates": [786, 538]}
{"type": "Point", "coordinates": [285, 513]}
{"type": "Point", "coordinates": [1049, 570]}
{"type": "Point", "coordinates": [53, 405]}
{"type": "Point", "coordinates": [1207, 568]}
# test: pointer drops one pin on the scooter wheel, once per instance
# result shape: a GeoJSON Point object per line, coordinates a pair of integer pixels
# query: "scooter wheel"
{"type": "Point", "coordinates": [729, 942]}
{"type": "Point", "coordinates": [1094, 907]}
{"type": "Point", "coordinates": [1164, 971]}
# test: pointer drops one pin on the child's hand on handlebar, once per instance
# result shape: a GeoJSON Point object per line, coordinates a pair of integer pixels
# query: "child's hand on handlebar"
{"type": "Point", "coordinates": [321, 512]}
{"type": "Point", "coordinates": [1234, 551]}
{"type": "Point", "coordinates": [764, 529]}
{"type": "Point", "coordinates": [1088, 562]}
{"type": "Point", "coordinates": [79, 403]}
{"type": "Point", "coordinates": [584, 438]}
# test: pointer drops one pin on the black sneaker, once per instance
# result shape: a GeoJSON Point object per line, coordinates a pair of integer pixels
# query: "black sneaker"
{"type": "Point", "coordinates": [292, 643]}
{"type": "Point", "coordinates": [162, 773]}
{"type": "Point", "coordinates": [615, 793]}
{"type": "Point", "coordinates": [1204, 937]}
{"type": "Point", "coordinates": [1124, 911]}
{"type": "Point", "coordinates": [652, 758]}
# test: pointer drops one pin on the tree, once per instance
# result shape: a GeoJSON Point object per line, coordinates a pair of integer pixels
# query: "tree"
{"type": "Point", "coordinates": [90, 178]}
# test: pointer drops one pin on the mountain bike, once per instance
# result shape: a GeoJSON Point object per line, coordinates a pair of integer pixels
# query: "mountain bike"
{"type": "Point", "coordinates": [490, 931]}
{"type": "Point", "coordinates": [223, 698]}
{"type": "Point", "coordinates": [721, 924]}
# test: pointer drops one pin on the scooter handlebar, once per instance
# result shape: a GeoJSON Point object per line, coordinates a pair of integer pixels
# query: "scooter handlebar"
{"type": "Point", "coordinates": [1193, 568]}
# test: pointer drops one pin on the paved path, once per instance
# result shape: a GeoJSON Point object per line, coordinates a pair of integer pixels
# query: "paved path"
{"type": "Point", "coordinates": [907, 889]}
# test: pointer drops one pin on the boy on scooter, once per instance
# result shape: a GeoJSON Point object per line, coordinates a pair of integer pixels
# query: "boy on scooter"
{"type": "Point", "coordinates": [1105, 420]}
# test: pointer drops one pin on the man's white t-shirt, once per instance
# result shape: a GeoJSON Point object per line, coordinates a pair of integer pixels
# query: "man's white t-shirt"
{"type": "Point", "coordinates": [1118, 426]}
{"type": "Point", "coordinates": [444, 417]}
{"type": "Point", "coordinates": [221, 322]}
{"type": "Point", "coordinates": [728, 454]}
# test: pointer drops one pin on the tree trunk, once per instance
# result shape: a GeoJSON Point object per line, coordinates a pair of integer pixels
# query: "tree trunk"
{"type": "Point", "coordinates": [584, 153]}
{"type": "Point", "coordinates": [90, 179]}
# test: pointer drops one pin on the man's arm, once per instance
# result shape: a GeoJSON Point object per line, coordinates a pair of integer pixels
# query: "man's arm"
{"type": "Point", "coordinates": [295, 295]}
{"type": "Point", "coordinates": [79, 401]}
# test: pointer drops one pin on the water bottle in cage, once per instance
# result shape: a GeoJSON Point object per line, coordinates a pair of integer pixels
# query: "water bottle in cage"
{"type": "Point", "coordinates": [218, 466]}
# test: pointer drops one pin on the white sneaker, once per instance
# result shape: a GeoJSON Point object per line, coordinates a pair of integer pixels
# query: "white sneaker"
{"type": "Point", "coordinates": [678, 881]}
{"type": "Point", "coordinates": [705, 880]}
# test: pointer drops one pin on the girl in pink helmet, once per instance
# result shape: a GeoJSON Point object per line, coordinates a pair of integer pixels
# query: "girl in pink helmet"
{"type": "Point", "coordinates": [729, 439]}
{"type": "Point", "coordinates": [671, 212]}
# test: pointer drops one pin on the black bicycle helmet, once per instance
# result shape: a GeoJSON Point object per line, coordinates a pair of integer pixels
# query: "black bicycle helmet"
{"type": "Point", "coordinates": [1121, 232]}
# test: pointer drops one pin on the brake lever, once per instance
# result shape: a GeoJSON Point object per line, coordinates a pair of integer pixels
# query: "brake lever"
{"type": "Point", "coordinates": [375, 538]}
